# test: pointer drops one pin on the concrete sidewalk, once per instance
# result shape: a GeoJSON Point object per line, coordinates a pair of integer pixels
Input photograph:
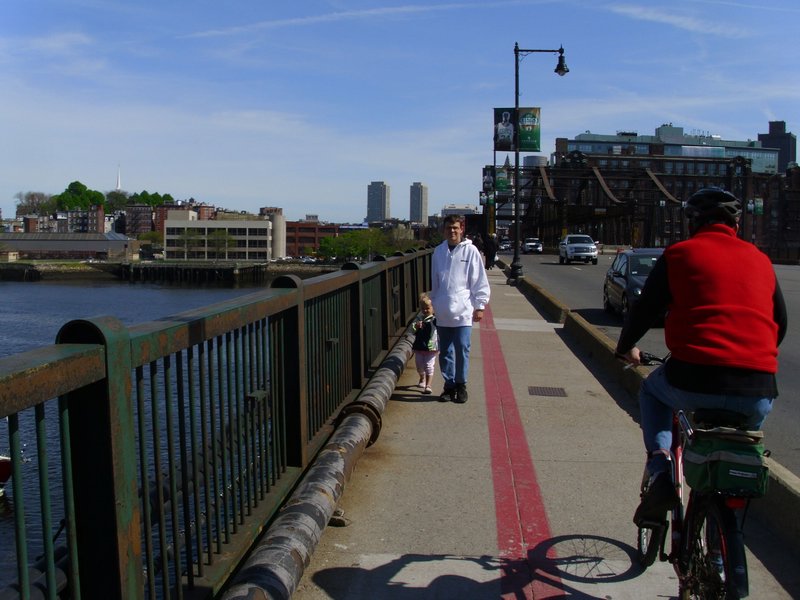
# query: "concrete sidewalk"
{"type": "Point", "coordinates": [526, 491]}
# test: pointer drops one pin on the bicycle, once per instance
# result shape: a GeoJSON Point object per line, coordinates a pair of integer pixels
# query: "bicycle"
{"type": "Point", "coordinates": [707, 547]}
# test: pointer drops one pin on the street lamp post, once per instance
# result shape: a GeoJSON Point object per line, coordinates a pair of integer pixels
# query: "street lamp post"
{"type": "Point", "coordinates": [561, 69]}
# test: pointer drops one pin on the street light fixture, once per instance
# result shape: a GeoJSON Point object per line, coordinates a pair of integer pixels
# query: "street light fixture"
{"type": "Point", "coordinates": [561, 69]}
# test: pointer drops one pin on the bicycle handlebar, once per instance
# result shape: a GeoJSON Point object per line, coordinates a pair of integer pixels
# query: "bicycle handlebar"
{"type": "Point", "coordinates": [646, 358]}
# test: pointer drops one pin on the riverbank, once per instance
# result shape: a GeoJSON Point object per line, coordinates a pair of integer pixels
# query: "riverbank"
{"type": "Point", "coordinates": [225, 273]}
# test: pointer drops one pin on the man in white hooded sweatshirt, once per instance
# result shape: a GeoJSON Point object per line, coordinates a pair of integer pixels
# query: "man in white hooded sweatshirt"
{"type": "Point", "coordinates": [459, 293]}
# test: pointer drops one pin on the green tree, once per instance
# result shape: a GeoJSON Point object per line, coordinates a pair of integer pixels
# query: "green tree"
{"type": "Point", "coordinates": [78, 197]}
{"type": "Point", "coordinates": [219, 241]}
{"type": "Point", "coordinates": [156, 238]}
{"type": "Point", "coordinates": [116, 200]}
{"type": "Point", "coordinates": [188, 240]}
{"type": "Point", "coordinates": [155, 199]}
{"type": "Point", "coordinates": [35, 203]}
{"type": "Point", "coordinates": [333, 247]}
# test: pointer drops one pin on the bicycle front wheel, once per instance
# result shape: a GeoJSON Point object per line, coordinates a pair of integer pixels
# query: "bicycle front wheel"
{"type": "Point", "coordinates": [712, 554]}
{"type": "Point", "coordinates": [648, 544]}
{"type": "Point", "coordinates": [649, 539]}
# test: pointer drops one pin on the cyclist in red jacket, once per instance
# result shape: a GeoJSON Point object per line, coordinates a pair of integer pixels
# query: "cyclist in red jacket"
{"type": "Point", "coordinates": [725, 319]}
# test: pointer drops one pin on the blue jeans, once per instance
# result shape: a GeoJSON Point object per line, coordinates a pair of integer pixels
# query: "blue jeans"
{"type": "Point", "coordinates": [454, 344]}
{"type": "Point", "coordinates": [658, 400]}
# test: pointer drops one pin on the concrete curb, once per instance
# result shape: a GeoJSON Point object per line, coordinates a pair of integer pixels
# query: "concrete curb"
{"type": "Point", "coordinates": [778, 509]}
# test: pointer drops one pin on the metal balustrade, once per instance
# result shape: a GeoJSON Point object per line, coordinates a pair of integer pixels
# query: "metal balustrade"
{"type": "Point", "coordinates": [164, 449]}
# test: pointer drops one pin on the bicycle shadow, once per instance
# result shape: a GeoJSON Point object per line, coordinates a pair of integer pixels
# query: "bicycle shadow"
{"type": "Point", "coordinates": [555, 568]}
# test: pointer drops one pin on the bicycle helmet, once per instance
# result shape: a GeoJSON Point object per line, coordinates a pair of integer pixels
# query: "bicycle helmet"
{"type": "Point", "coordinates": [713, 204]}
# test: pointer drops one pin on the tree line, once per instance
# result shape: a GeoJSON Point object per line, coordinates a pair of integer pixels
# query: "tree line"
{"type": "Point", "coordinates": [356, 244]}
{"type": "Point", "coordinates": [78, 196]}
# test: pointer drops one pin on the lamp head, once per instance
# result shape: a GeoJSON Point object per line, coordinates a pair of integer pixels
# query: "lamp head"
{"type": "Point", "coordinates": [561, 67]}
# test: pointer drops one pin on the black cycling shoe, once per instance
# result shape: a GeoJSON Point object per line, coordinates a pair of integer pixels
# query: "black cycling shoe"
{"type": "Point", "coordinates": [659, 498]}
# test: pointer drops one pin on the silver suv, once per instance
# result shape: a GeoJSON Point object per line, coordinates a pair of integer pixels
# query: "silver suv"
{"type": "Point", "coordinates": [532, 245]}
{"type": "Point", "coordinates": [577, 246]}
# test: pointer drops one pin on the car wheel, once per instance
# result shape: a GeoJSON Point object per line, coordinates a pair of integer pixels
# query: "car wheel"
{"type": "Point", "coordinates": [561, 260]}
{"type": "Point", "coordinates": [594, 261]}
{"type": "Point", "coordinates": [606, 302]}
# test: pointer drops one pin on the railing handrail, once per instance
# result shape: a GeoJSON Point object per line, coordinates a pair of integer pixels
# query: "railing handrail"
{"type": "Point", "coordinates": [222, 408]}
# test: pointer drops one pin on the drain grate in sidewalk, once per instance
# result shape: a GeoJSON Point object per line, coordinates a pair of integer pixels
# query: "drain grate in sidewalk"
{"type": "Point", "coordinates": [539, 390]}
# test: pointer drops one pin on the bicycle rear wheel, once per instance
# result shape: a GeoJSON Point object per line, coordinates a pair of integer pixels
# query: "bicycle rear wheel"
{"type": "Point", "coordinates": [712, 555]}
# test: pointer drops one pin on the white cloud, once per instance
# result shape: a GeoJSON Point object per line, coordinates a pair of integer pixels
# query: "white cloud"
{"type": "Point", "coordinates": [685, 22]}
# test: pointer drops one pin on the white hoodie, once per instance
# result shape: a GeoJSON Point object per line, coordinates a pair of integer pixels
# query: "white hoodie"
{"type": "Point", "coordinates": [459, 284]}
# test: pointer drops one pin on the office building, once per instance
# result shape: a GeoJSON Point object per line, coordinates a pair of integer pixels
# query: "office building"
{"type": "Point", "coordinates": [785, 142]}
{"type": "Point", "coordinates": [377, 201]}
{"type": "Point", "coordinates": [187, 238]}
{"type": "Point", "coordinates": [418, 208]}
{"type": "Point", "coordinates": [630, 189]}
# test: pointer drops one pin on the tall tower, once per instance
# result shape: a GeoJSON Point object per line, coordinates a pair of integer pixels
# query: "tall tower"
{"type": "Point", "coordinates": [784, 141]}
{"type": "Point", "coordinates": [377, 201]}
{"type": "Point", "coordinates": [119, 179]}
{"type": "Point", "coordinates": [418, 209]}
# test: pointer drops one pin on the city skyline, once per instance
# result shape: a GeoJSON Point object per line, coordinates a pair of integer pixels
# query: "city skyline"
{"type": "Point", "coordinates": [292, 105]}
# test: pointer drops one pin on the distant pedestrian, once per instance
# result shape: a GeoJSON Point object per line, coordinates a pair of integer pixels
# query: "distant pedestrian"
{"type": "Point", "coordinates": [478, 241]}
{"type": "Point", "coordinates": [490, 250]}
{"type": "Point", "coordinates": [459, 293]}
{"type": "Point", "coordinates": [426, 344]}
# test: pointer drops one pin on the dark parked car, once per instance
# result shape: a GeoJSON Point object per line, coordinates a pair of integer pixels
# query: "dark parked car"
{"type": "Point", "coordinates": [626, 276]}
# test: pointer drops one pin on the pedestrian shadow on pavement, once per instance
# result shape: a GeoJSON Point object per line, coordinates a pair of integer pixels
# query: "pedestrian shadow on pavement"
{"type": "Point", "coordinates": [415, 577]}
{"type": "Point", "coordinates": [412, 394]}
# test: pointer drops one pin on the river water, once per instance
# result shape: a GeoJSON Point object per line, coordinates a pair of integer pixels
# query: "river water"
{"type": "Point", "coordinates": [31, 315]}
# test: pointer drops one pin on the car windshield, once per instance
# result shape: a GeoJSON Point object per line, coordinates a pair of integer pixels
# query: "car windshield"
{"type": "Point", "coordinates": [642, 265]}
{"type": "Point", "coordinates": [580, 239]}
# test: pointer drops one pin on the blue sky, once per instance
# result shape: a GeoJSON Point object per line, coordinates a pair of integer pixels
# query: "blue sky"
{"type": "Point", "coordinates": [244, 104]}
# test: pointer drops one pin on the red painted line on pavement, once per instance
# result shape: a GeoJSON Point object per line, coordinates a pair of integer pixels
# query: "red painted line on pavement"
{"type": "Point", "coordinates": [520, 513]}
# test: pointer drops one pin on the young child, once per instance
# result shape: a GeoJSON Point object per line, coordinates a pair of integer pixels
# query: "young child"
{"type": "Point", "coordinates": [426, 343]}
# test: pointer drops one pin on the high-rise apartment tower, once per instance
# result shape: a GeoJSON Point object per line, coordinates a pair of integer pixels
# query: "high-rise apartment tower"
{"type": "Point", "coordinates": [377, 201]}
{"type": "Point", "coordinates": [418, 210]}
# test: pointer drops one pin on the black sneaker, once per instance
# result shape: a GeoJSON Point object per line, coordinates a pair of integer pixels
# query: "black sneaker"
{"type": "Point", "coordinates": [659, 498]}
{"type": "Point", "coordinates": [448, 395]}
{"type": "Point", "coordinates": [461, 393]}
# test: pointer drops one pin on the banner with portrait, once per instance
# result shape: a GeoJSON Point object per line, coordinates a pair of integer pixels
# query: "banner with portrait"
{"type": "Point", "coordinates": [488, 178]}
{"type": "Point", "coordinates": [525, 131]}
{"type": "Point", "coordinates": [530, 131]}
{"type": "Point", "coordinates": [504, 129]}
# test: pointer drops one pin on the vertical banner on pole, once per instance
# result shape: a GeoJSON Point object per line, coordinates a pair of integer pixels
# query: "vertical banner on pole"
{"type": "Point", "coordinates": [504, 134]}
{"type": "Point", "coordinates": [529, 129]}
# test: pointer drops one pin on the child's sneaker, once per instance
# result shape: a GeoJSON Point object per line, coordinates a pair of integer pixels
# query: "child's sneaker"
{"type": "Point", "coordinates": [427, 390]}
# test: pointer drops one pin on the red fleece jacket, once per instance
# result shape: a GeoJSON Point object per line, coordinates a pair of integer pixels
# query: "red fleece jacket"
{"type": "Point", "coordinates": [722, 302]}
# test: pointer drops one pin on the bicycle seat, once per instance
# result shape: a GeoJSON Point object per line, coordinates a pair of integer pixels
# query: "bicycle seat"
{"type": "Point", "coordinates": [718, 417]}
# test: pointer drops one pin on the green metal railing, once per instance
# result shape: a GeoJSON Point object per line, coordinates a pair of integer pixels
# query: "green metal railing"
{"type": "Point", "coordinates": [164, 449]}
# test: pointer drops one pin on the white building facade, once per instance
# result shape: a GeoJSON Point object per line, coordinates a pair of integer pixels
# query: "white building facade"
{"type": "Point", "coordinates": [187, 238]}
